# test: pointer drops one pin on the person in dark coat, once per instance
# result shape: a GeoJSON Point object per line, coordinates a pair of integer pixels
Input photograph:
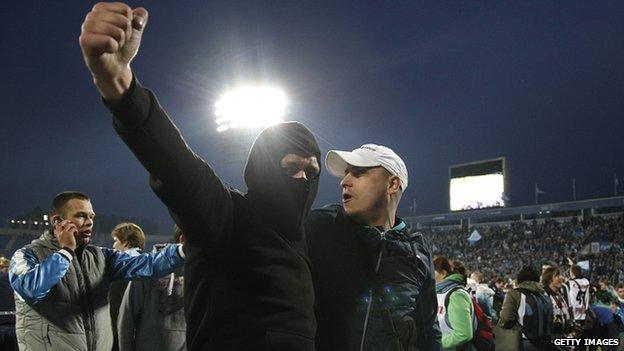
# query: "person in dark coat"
{"type": "Point", "coordinates": [374, 280]}
{"type": "Point", "coordinates": [248, 282]}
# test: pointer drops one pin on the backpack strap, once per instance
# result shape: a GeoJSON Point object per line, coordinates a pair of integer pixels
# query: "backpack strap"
{"type": "Point", "coordinates": [448, 294]}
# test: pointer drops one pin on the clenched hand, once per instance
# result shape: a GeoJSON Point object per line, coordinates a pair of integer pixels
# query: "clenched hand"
{"type": "Point", "coordinates": [110, 38]}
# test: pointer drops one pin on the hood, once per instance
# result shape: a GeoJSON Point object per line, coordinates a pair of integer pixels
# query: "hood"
{"type": "Point", "coordinates": [448, 282]}
{"type": "Point", "coordinates": [532, 286]}
{"type": "Point", "coordinates": [277, 200]}
{"type": "Point", "coordinates": [47, 239]}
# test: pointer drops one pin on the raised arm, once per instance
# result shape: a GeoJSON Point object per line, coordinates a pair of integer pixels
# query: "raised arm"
{"type": "Point", "coordinates": [128, 266]}
{"type": "Point", "coordinates": [201, 204]}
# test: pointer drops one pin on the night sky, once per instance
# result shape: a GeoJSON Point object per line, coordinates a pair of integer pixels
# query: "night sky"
{"type": "Point", "coordinates": [442, 83]}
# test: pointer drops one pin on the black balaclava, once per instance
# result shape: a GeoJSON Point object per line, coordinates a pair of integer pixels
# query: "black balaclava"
{"type": "Point", "coordinates": [276, 199]}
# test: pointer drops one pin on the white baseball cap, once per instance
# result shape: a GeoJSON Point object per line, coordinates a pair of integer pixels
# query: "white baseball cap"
{"type": "Point", "coordinates": [367, 155]}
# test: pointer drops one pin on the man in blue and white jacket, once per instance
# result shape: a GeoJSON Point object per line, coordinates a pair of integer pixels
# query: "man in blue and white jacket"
{"type": "Point", "coordinates": [61, 281]}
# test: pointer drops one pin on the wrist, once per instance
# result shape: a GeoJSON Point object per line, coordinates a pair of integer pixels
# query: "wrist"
{"type": "Point", "coordinates": [113, 89]}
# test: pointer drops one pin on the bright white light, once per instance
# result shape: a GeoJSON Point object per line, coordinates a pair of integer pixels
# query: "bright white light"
{"type": "Point", "coordinates": [35, 222]}
{"type": "Point", "coordinates": [250, 107]}
{"type": "Point", "coordinates": [477, 192]}
{"type": "Point", "coordinates": [47, 223]}
{"type": "Point", "coordinates": [45, 217]}
{"type": "Point", "coordinates": [23, 222]}
{"type": "Point", "coordinates": [13, 221]}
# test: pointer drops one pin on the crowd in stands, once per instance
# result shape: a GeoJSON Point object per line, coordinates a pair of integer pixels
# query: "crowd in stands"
{"type": "Point", "coordinates": [504, 249]}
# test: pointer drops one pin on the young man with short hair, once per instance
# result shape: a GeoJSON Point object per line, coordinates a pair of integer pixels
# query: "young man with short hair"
{"type": "Point", "coordinates": [151, 316]}
{"type": "Point", "coordinates": [61, 281]}
{"type": "Point", "coordinates": [127, 237]}
{"type": "Point", "coordinates": [373, 278]}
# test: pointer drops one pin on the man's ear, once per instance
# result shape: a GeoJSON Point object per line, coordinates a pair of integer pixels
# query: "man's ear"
{"type": "Point", "coordinates": [394, 184]}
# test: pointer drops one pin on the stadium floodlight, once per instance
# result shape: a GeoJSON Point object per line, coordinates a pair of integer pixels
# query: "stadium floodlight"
{"type": "Point", "coordinates": [35, 223]}
{"type": "Point", "coordinates": [12, 221]}
{"type": "Point", "coordinates": [23, 222]}
{"type": "Point", "coordinates": [45, 217]}
{"type": "Point", "coordinates": [250, 107]}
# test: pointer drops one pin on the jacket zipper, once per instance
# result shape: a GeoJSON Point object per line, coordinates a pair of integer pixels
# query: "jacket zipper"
{"type": "Point", "coordinates": [370, 302]}
{"type": "Point", "coordinates": [87, 316]}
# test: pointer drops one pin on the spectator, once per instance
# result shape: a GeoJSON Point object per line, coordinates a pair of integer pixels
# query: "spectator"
{"type": "Point", "coordinates": [61, 281]}
{"type": "Point", "coordinates": [607, 323]}
{"type": "Point", "coordinates": [618, 306]}
{"type": "Point", "coordinates": [8, 341]}
{"type": "Point", "coordinates": [367, 265]}
{"type": "Point", "coordinates": [484, 295]}
{"type": "Point", "coordinates": [455, 311]}
{"type": "Point", "coordinates": [248, 281]}
{"type": "Point", "coordinates": [129, 238]}
{"type": "Point", "coordinates": [529, 306]}
{"type": "Point", "coordinates": [151, 317]}
{"type": "Point", "coordinates": [499, 295]}
{"type": "Point", "coordinates": [579, 296]}
{"type": "Point", "coordinates": [562, 318]}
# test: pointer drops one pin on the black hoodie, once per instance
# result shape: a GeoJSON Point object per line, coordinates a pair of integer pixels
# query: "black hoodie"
{"type": "Point", "coordinates": [248, 284]}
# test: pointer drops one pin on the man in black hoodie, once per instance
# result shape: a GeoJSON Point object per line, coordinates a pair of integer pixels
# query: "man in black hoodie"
{"type": "Point", "coordinates": [248, 284]}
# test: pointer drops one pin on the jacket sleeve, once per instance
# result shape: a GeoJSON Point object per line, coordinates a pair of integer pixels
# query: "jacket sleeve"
{"type": "Point", "coordinates": [200, 203]}
{"type": "Point", "coordinates": [33, 280]}
{"type": "Point", "coordinates": [134, 265]}
{"type": "Point", "coordinates": [509, 312]}
{"type": "Point", "coordinates": [130, 314]}
{"type": "Point", "coordinates": [460, 318]}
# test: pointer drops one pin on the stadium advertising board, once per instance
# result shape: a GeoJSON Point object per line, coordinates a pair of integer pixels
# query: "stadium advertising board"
{"type": "Point", "coordinates": [476, 185]}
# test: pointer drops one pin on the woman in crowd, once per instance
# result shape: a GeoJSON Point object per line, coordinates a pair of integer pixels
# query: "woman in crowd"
{"type": "Point", "coordinates": [455, 312]}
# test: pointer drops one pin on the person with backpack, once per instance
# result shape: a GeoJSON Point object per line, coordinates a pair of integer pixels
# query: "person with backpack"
{"type": "Point", "coordinates": [484, 295]}
{"type": "Point", "coordinates": [529, 306]}
{"type": "Point", "coordinates": [455, 308]}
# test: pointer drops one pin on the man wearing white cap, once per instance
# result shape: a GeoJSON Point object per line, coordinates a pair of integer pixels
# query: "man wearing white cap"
{"type": "Point", "coordinates": [374, 282]}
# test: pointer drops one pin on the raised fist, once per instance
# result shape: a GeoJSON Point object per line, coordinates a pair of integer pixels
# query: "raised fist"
{"type": "Point", "coordinates": [110, 38]}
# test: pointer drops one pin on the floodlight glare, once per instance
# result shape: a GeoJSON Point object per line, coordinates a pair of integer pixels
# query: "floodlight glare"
{"type": "Point", "coordinates": [250, 107]}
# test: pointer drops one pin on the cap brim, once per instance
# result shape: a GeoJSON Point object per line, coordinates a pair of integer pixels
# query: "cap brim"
{"type": "Point", "coordinates": [338, 161]}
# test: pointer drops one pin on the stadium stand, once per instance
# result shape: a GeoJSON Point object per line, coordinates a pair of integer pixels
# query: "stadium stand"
{"type": "Point", "coordinates": [591, 232]}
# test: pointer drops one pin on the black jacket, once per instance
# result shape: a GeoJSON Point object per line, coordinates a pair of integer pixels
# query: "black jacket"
{"type": "Point", "coordinates": [344, 256]}
{"type": "Point", "coordinates": [248, 284]}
